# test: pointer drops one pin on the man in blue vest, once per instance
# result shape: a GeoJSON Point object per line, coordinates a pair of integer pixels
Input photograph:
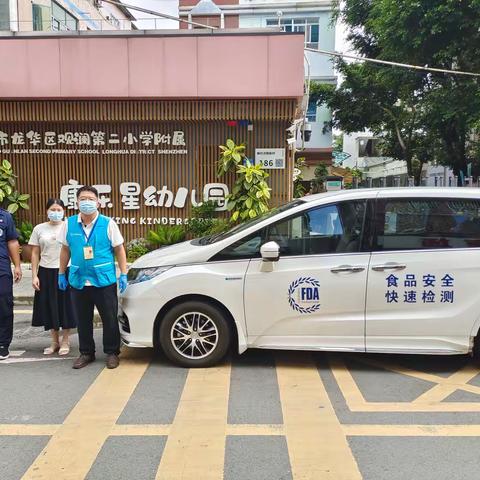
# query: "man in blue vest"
{"type": "Point", "coordinates": [91, 242]}
{"type": "Point", "coordinates": [9, 249]}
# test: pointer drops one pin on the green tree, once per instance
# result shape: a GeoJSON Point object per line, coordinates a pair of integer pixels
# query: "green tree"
{"type": "Point", "coordinates": [250, 193]}
{"type": "Point", "coordinates": [10, 198]}
{"type": "Point", "coordinates": [421, 116]}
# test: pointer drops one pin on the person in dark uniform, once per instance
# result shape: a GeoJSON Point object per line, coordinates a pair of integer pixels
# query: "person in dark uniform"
{"type": "Point", "coordinates": [9, 249]}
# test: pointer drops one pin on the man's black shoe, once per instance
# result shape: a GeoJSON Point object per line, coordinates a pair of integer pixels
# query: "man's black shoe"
{"type": "Point", "coordinates": [112, 361]}
{"type": "Point", "coordinates": [4, 353]}
{"type": "Point", "coordinates": [83, 361]}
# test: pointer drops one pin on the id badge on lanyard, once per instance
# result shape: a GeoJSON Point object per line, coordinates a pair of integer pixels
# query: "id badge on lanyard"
{"type": "Point", "coordinates": [88, 253]}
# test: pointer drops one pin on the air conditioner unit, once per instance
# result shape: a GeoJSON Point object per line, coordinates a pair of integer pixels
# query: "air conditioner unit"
{"type": "Point", "coordinates": [97, 3]}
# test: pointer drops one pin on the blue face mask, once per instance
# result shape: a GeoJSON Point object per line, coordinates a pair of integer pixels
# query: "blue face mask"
{"type": "Point", "coordinates": [88, 207]}
{"type": "Point", "coordinates": [55, 215]}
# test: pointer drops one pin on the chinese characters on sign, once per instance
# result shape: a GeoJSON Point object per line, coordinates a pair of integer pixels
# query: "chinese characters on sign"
{"type": "Point", "coordinates": [133, 196]}
{"type": "Point", "coordinates": [93, 142]}
{"type": "Point", "coordinates": [426, 288]}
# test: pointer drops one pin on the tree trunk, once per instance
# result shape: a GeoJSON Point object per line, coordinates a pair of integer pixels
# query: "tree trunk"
{"type": "Point", "coordinates": [455, 148]}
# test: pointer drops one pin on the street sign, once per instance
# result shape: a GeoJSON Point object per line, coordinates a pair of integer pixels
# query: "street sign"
{"type": "Point", "coordinates": [270, 158]}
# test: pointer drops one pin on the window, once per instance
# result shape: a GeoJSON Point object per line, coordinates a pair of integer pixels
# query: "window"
{"type": "Point", "coordinates": [329, 229]}
{"type": "Point", "coordinates": [309, 26]}
{"type": "Point", "coordinates": [62, 19]}
{"type": "Point", "coordinates": [247, 224]}
{"type": "Point", "coordinates": [312, 111]}
{"type": "Point", "coordinates": [369, 147]}
{"type": "Point", "coordinates": [41, 17]}
{"type": "Point", "coordinates": [427, 223]}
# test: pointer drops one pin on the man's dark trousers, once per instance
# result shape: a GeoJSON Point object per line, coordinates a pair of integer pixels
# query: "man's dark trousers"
{"type": "Point", "coordinates": [106, 301]}
{"type": "Point", "coordinates": [6, 310]}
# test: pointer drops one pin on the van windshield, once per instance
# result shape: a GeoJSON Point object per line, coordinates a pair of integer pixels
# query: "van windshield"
{"type": "Point", "coordinates": [247, 224]}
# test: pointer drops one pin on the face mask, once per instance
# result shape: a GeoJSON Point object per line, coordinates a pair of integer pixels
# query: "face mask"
{"type": "Point", "coordinates": [55, 216]}
{"type": "Point", "coordinates": [87, 206]}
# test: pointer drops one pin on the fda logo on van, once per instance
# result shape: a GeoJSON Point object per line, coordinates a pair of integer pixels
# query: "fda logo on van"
{"type": "Point", "coordinates": [304, 295]}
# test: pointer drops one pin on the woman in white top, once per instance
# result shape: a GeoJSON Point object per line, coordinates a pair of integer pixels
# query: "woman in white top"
{"type": "Point", "coordinates": [51, 307]}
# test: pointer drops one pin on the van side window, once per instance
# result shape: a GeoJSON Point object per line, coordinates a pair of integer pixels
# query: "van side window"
{"type": "Point", "coordinates": [335, 228]}
{"type": "Point", "coordinates": [427, 223]}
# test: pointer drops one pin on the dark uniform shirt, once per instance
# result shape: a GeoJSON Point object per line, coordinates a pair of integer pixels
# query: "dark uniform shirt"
{"type": "Point", "coordinates": [7, 233]}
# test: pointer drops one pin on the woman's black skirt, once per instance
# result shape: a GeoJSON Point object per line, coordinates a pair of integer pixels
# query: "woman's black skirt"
{"type": "Point", "coordinates": [52, 308]}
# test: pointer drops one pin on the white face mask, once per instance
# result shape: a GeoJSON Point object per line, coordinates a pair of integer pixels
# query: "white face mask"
{"type": "Point", "coordinates": [88, 207]}
{"type": "Point", "coordinates": [55, 215]}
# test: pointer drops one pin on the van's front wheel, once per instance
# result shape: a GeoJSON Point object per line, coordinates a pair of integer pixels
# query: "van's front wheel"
{"type": "Point", "coordinates": [194, 334]}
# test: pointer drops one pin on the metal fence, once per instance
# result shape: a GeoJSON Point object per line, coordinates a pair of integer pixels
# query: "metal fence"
{"type": "Point", "coordinates": [95, 24]}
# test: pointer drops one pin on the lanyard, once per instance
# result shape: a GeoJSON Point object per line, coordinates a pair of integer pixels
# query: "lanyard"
{"type": "Point", "coordinates": [88, 237]}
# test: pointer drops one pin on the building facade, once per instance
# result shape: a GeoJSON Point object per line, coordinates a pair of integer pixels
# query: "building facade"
{"type": "Point", "coordinates": [62, 15]}
{"type": "Point", "coordinates": [148, 134]}
{"type": "Point", "coordinates": [312, 18]}
{"type": "Point", "coordinates": [363, 152]}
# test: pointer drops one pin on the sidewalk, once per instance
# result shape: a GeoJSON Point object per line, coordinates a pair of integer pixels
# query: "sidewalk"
{"type": "Point", "coordinates": [23, 291]}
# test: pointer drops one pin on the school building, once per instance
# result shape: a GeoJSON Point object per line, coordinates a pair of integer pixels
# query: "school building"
{"type": "Point", "coordinates": [141, 115]}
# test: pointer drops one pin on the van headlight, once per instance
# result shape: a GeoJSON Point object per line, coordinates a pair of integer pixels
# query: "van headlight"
{"type": "Point", "coordinates": [138, 275]}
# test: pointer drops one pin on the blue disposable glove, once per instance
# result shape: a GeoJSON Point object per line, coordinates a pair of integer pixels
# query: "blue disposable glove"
{"type": "Point", "coordinates": [62, 281]}
{"type": "Point", "coordinates": [122, 282]}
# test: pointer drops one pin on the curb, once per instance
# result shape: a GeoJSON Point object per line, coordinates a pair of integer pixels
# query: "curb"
{"type": "Point", "coordinates": [23, 301]}
{"type": "Point", "coordinates": [97, 322]}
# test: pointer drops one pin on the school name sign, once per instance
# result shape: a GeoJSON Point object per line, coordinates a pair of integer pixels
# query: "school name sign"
{"type": "Point", "coordinates": [94, 142]}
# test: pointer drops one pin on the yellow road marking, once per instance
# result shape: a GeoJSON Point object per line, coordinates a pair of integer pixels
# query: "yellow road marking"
{"type": "Point", "coordinates": [25, 429]}
{"type": "Point", "coordinates": [74, 447]}
{"type": "Point", "coordinates": [259, 429]}
{"type": "Point", "coordinates": [196, 445]}
{"type": "Point", "coordinates": [402, 370]}
{"type": "Point", "coordinates": [317, 446]}
{"type": "Point", "coordinates": [19, 312]}
{"type": "Point", "coordinates": [357, 403]}
{"type": "Point", "coordinates": [140, 430]}
{"type": "Point", "coordinates": [448, 385]}
{"type": "Point", "coordinates": [346, 383]}
{"type": "Point", "coordinates": [412, 430]}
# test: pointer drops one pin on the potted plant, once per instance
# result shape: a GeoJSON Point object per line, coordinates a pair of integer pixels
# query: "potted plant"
{"type": "Point", "coordinates": [24, 234]}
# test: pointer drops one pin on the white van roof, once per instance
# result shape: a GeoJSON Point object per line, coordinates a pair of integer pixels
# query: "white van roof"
{"type": "Point", "coordinates": [448, 192]}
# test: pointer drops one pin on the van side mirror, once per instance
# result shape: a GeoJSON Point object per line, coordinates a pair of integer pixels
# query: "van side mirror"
{"type": "Point", "coordinates": [270, 252]}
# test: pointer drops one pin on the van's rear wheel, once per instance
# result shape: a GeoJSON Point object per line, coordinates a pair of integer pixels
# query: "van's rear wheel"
{"type": "Point", "coordinates": [195, 334]}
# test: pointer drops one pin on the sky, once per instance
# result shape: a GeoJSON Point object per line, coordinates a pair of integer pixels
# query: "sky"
{"type": "Point", "coordinates": [170, 7]}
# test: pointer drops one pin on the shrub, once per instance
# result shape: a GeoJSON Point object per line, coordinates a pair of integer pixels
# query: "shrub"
{"type": "Point", "coordinates": [250, 194]}
{"type": "Point", "coordinates": [230, 157]}
{"type": "Point", "coordinates": [9, 197]}
{"type": "Point", "coordinates": [219, 225]}
{"type": "Point", "coordinates": [24, 232]}
{"type": "Point", "coordinates": [137, 248]}
{"type": "Point", "coordinates": [204, 222]}
{"type": "Point", "coordinates": [166, 235]}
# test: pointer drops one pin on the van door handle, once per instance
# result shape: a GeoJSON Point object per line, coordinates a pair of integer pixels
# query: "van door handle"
{"type": "Point", "coordinates": [347, 268]}
{"type": "Point", "coordinates": [389, 266]}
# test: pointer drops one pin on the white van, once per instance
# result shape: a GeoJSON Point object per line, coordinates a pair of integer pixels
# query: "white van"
{"type": "Point", "coordinates": [372, 270]}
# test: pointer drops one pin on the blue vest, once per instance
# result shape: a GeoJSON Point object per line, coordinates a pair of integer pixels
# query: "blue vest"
{"type": "Point", "coordinates": [100, 270]}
